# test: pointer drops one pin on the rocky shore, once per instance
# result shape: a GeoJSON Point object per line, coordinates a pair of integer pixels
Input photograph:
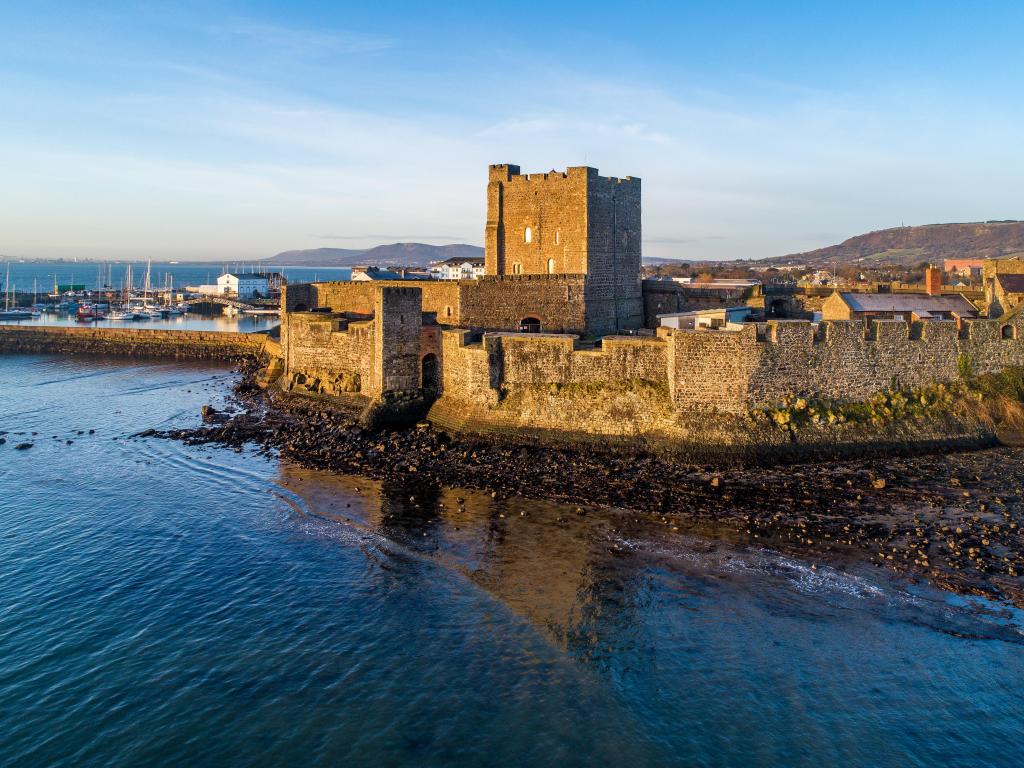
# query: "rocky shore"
{"type": "Point", "coordinates": [952, 519]}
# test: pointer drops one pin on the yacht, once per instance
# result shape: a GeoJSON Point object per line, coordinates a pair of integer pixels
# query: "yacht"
{"type": "Point", "coordinates": [15, 314]}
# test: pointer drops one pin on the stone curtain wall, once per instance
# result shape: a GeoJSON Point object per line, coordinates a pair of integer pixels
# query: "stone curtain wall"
{"type": "Point", "coordinates": [441, 297]}
{"type": "Point", "coordinates": [711, 370]}
{"type": "Point", "coordinates": [734, 371]}
{"type": "Point", "coordinates": [490, 303]}
{"type": "Point", "coordinates": [501, 303]}
{"type": "Point", "coordinates": [330, 348]}
{"type": "Point", "coordinates": [522, 385]}
{"type": "Point", "coordinates": [466, 371]}
{"type": "Point", "coordinates": [131, 342]}
{"type": "Point", "coordinates": [369, 356]}
{"type": "Point", "coordinates": [726, 372]}
{"type": "Point", "coordinates": [525, 360]}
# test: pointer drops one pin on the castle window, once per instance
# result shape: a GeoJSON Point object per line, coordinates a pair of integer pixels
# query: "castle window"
{"type": "Point", "coordinates": [447, 311]}
{"type": "Point", "coordinates": [528, 236]}
{"type": "Point", "coordinates": [558, 237]}
{"type": "Point", "coordinates": [551, 266]}
{"type": "Point", "coordinates": [517, 268]}
{"type": "Point", "coordinates": [1008, 332]}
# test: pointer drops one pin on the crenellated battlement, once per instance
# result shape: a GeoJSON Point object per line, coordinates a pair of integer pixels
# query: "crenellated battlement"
{"type": "Point", "coordinates": [510, 174]}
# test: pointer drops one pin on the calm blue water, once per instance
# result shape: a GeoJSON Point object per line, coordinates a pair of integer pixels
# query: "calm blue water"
{"type": "Point", "coordinates": [191, 321]}
{"type": "Point", "coordinates": [25, 275]}
{"type": "Point", "coordinates": [172, 605]}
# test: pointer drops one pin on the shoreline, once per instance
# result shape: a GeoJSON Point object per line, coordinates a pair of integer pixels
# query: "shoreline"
{"type": "Point", "coordinates": [953, 518]}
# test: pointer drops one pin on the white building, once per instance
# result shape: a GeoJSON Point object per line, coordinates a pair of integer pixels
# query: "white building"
{"type": "Point", "coordinates": [458, 269]}
{"type": "Point", "coordinates": [242, 286]}
{"type": "Point", "coordinates": [729, 318]}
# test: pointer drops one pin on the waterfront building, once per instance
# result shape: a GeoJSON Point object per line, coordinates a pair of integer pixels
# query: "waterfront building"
{"type": "Point", "coordinates": [458, 269]}
{"type": "Point", "coordinates": [243, 286]}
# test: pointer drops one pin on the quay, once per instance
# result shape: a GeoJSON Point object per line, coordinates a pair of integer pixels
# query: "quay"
{"type": "Point", "coordinates": [141, 342]}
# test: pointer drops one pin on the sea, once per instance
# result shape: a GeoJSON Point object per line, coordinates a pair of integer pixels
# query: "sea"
{"type": "Point", "coordinates": [43, 275]}
{"type": "Point", "coordinates": [169, 605]}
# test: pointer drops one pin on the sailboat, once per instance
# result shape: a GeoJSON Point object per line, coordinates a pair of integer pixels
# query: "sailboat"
{"type": "Point", "coordinates": [36, 309]}
{"type": "Point", "coordinates": [170, 309]}
{"type": "Point", "coordinates": [126, 312]}
{"type": "Point", "coordinates": [8, 313]}
{"type": "Point", "coordinates": [147, 312]}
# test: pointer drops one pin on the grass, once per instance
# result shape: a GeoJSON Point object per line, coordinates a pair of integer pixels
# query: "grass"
{"type": "Point", "coordinates": [995, 399]}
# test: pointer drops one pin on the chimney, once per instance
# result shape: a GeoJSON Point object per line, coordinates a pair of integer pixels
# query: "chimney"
{"type": "Point", "coordinates": [933, 280]}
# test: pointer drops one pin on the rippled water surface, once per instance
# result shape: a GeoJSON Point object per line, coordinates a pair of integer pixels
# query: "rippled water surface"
{"type": "Point", "coordinates": [171, 605]}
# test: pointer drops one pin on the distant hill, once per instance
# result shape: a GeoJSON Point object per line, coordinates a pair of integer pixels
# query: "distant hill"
{"type": "Point", "coordinates": [395, 254]}
{"type": "Point", "coordinates": [907, 246]}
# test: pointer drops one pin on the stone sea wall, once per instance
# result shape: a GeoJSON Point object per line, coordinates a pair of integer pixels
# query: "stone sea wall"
{"type": "Point", "coordinates": [694, 387]}
{"type": "Point", "coordinates": [203, 345]}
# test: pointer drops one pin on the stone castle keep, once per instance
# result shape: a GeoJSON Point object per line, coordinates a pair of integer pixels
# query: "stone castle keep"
{"type": "Point", "coordinates": [537, 344]}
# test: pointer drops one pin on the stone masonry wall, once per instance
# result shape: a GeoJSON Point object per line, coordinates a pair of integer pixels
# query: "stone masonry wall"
{"type": "Point", "coordinates": [523, 385]}
{"type": "Point", "coordinates": [542, 383]}
{"type": "Point", "coordinates": [532, 359]}
{"type": "Point", "coordinates": [734, 371]}
{"type": "Point", "coordinates": [132, 342]}
{"type": "Point", "coordinates": [441, 297]}
{"type": "Point", "coordinates": [328, 347]}
{"type": "Point", "coordinates": [572, 223]}
{"type": "Point", "coordinates": [398, 322]}
{"type": "Point", "coordinates": [614, 300]}
{"type": "Point", "coordinates": [552, 205]}
{"type": "Point", "coordinates": [501, 303]}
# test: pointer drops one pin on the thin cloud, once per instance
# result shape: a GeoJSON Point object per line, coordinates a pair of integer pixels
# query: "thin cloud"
{"type": "Point", "coordinates": [308, 42]}
{"type": "Point", "coordinates": [682, 240]}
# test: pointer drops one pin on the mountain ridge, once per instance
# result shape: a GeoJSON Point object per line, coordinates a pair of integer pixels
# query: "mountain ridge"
{"type": "Point", "coordinates": [391, 254]}
{"type": "Point", "coordinates": [908, 246]}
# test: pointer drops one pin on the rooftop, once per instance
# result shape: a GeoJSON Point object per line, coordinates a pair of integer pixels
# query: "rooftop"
{"type": "Point", "coordinates": [908, 302]}
{"type": "Point", "coordinates": [1011, 283]}
{"type": "Point", "coordinates": [462, 260]}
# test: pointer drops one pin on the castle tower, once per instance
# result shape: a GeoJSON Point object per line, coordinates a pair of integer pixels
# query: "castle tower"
{"type": "Point", "coordinates": [571, 223]}
{"type": "Point", "coordinates": [398, 319]}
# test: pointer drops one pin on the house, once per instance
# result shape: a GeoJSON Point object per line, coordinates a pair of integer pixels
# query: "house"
{"type": "Point", "coordinates": [243, 286]}
{"type": "Point", "coordinates": [363, 274]}
{"type": "Point", "coordinates": [718, 317]}
{"type": "Point", "coordinates": [1001, 284]}
{"type": "Point", "coordinates": [458, 269]}
{"type": "Point", "coordinates": [908, 307]}
{"type": "Point", "coordinates": [970, 268]}
{"type": "Point", "coordinates": [1007, 294]}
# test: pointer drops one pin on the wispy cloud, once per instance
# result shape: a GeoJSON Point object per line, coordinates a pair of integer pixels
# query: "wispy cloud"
{"type": "Point", "coordinates": [683, 240]}
{"type": "Point", "coordinates": [307, 42]}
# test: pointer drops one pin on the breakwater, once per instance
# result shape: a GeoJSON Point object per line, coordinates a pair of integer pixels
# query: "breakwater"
{"type": "Point", "coordinates": [132, 342]}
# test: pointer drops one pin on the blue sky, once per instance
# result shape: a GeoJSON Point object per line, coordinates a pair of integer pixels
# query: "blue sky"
{"type": "Point", "coordinates": [236, 130]}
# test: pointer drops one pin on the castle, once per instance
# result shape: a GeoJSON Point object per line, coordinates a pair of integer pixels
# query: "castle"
{"type": "Point", "coordinates": [553, 336]}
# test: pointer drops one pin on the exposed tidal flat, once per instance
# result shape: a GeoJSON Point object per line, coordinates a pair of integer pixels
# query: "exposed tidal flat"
{"type": "Point", "coordinates": [166, 603]}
